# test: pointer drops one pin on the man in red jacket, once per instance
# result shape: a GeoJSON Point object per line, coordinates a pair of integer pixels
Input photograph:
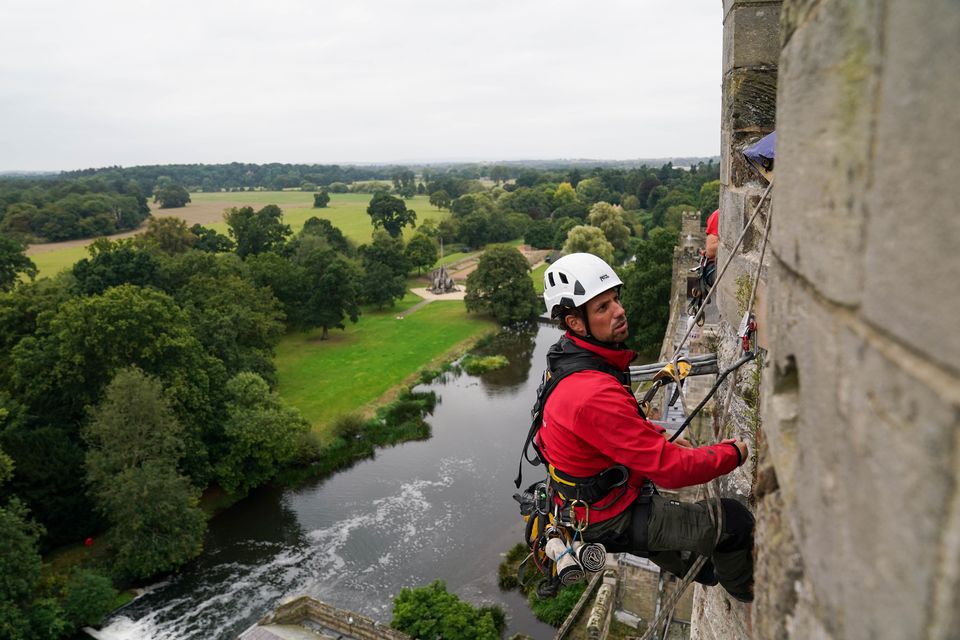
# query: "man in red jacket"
{"type": "Point", "coordinates": [592, 424]}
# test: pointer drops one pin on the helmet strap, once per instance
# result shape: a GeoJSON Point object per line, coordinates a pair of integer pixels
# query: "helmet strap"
{"type": "Point", "coordinates": [586, 321]}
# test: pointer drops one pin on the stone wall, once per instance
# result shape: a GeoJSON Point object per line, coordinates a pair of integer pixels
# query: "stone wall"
{"type": "Point", "coordinates": [857, 485]}
{"type": "Point", "coordinates": [861, 412]}
{"type": "Point", "coordinates": [750, 76]}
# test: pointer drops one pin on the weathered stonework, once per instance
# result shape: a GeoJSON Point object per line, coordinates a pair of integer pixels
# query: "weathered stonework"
{"type": "Point", "coordinates": [856, 487]}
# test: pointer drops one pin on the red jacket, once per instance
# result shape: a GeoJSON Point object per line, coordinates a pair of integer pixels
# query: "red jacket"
{"type": "Point", "coordinates": [591, 422]}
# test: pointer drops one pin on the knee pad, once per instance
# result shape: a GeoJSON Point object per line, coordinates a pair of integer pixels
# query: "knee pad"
{"type": "Point", "coordinates": [737, 527]}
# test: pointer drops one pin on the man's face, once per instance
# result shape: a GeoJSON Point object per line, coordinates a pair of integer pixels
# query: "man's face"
{"type": "Point", "coordinates": [608, 321]}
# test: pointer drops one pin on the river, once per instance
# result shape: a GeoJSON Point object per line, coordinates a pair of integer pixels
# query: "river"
{"type": "Point", "coordinates": [440, 508]}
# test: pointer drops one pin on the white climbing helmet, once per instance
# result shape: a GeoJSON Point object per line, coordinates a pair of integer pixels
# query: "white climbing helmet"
{"type": "Point", "coordinates": [573, 279]}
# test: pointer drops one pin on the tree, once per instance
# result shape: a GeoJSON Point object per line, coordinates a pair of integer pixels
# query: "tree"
{"type": "Point", "coordinates": [210, 241]}
{"type": "Point", "coordinates": [386, 266]}
{"type": "Point", "coordinates": [133, 424]}
{"type": "Point", "coordinates": [261, 434]}
{"type": "Point", "coordinates": [433, 612]}
{"type": "Point", "coordinates": [390, 213]}
{"type": "Point", "coordinates": [135, 446]}
{"type": "Point", "coordinates": [440, 199]}
{"type": "Point", "coordinates": [655, 195]}
{"type": "Point", "coordinates": [172, 196]}
{"type": "Point", "coordinates": [709, 198]}
{"type": "Point", "coordinates": [589, 240]}
{"type": "Point", "coordinates": [170, 235]}
{"type": "Point", "coordinates": [609, 219]}
{"type": "Point", "coordinates": [472, 203]}
{"type": "Point", "coordinates": [422, 251]}
{"type": "Point", "coordinates": [474, 229]}
{"type": "Point", "coordinates": [236, 321]}
{"type": "Point", "coordinates": [330, 283]}
{"type": "Point", "coordinates": [499, 173]}
{"type": "Point", "coordinates": [285, 278]}
{"type": "Point", "coordinates": [501, 286]}
{"type": "Point", "coordinates": [157, 524]}
{"type": "Point", "coordinates": [540, 234]}
{"type": "Point", "coordinates": [321, 199]}
{"type": "Point", "coordinates": [630, 202]}
{"type": "Point", "coordinates": [114, 263]}
{"type": "Point", "coordinates": [592, 190]}
{"type": "Point", "coordinates": [564, 196]}
{"type": "Point", "coordinates": [256, 232]}
{"type": "Point", "coordinates": [23, 615]}
{"type": "Point", "coordinates": [13, 262]}
{"type": "Point", "coordinates": [78, 350]}
{"type": "Point", "coordinates": [646, 291]}
{"type": "Point", "coordinates": [325, 229]}
{"type": "Point", "coordinates": [563, 227]}
{"type": "Point", "coordinates": [87, 598]}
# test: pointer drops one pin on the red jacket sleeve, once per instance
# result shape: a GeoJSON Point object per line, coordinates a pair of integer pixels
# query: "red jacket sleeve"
{"type": "Point", "coordinates": [607, 416]}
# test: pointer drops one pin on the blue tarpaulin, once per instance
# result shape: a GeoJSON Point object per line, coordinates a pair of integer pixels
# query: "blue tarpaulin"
{"type": "Point", "coordinates": [761, 153]}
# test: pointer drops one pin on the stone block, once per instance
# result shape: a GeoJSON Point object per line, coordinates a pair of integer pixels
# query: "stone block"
{"type": "Point", "coordinates": [827, 92]}
{"type": "Point", "coordinates": [735, 171]}
{"type": "Point", "coordinates": [778, 566]}
{"type": "Point", "coordinates": [875, 456]}
{"type": "Point", "coordinates": [730, 5]}
{"type": "Point", "coordinates": [913, 197]}
{"type": "Point", "coordinates": [751, 35]}
{"type": "Point", "coordinates": [750, 99]}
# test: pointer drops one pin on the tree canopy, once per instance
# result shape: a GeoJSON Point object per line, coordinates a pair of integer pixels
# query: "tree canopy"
{"type": "Point", "coordinates": [646, 291]}
{"type": "Point", "coordinates": [135, 446]}
{"type": "Point", "coordinates": [256, 232]}
{"type": "Point", "coordinates": [433, 612]}
{"type": "Point", "coordinates": [390, 213]}
{"type": "Point", "coordinates": [261, 434]}
{"type": "Point", "coordinates": [13, 262]}
{"type": "Point", "coordinates": [172, 196]}
{"type": "Point", "coordinates": [321, 199]}
{"type": "Point", "coordinates": [589, 240]}
{"type": "Point", "coordinates": [501, 286]}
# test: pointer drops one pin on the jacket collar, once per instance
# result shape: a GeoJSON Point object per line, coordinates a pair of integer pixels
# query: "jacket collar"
{"type": "Point", "coordinates": [617, 355]}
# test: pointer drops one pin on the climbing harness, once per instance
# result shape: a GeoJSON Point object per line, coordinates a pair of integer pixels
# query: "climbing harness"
{"type": "Point", "coordinates": [554, 530]}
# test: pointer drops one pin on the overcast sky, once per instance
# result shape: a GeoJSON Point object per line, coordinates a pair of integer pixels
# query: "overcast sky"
{"type": "Point", "coordinates": [127, 82]}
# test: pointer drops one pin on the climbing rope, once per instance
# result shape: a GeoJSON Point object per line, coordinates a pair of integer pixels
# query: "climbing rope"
{"type": "Point", "coordinates": [715, 507]}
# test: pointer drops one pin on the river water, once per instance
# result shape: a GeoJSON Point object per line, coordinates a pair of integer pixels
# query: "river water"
{"type": "Point", "coordinates": [440, 508]}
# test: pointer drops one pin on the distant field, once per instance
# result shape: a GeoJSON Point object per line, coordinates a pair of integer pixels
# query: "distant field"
{"type": "Point", "coordinates": [354, 368]}
{"type": "Point", "coordinates": [347, 211]}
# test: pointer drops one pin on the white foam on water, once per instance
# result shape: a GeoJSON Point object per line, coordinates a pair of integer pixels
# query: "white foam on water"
{"type": "Point", "coordinates": [415, 518]}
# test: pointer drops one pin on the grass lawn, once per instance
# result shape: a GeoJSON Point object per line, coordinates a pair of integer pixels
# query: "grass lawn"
{"type": "Point", "coordinates": [51, 263]}
{"type": "Point", "coordinates": [356, 367]}
{"type": "Point", "coordinates": [537, 275]}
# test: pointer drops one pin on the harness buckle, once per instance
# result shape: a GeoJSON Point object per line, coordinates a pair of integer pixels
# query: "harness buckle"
{"type": "Point", "coordinates": [579, 525]}
{"type": "Point", "coordinates": [541, 499]}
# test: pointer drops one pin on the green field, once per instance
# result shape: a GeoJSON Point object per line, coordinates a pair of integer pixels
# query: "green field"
{"type": "Point", "coordinates": [356, 367]}
{"type": "Point", "coordinates": [347, 211]}
{"type": "Point", "coordinates": [53, 262]}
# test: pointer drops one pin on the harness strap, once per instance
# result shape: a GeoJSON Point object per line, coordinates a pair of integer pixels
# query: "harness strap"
{"type": "Point", "coordinates": [579, 359]}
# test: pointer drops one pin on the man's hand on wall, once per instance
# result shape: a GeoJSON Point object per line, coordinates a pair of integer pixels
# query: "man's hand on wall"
{"type": "Point", "coordinates": [741, 447]}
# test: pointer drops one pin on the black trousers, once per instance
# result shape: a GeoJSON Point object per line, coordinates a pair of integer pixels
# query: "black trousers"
{"type": "Point", "coordinates": [672, 533]}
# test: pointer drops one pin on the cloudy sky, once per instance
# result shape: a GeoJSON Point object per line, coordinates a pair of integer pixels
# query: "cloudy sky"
{"type": "Point", "coordinates": [126, 82]}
